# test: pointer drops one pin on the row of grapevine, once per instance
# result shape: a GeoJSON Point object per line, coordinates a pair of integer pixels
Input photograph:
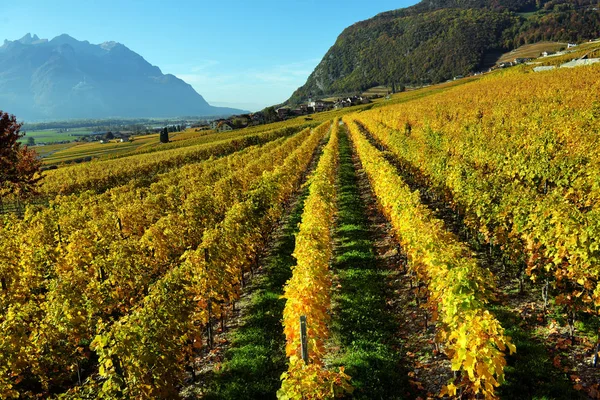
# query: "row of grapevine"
{"type": "Point", "coordinates": [307, 293]}
{"type": "Point", "coordinates": [133, 210]}
{"type": "Point", "coordinates": [522, 167]}
{"type": "Point", "coordinates": [145, 354]}
{"type": "Point", "coordinates": [146, 213]}
{"type": "Point", "coordinates": [191, 137]}
{"type": "Point", "coordinates": [82, 261]}
{"type": "Point", "coordinates": [458, 287]}
{"type": "Point", "coordinates": [102, 175]}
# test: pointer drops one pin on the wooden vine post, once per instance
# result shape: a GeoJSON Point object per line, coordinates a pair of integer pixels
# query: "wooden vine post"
{"type": "Point", "coordinates": [303, 339]}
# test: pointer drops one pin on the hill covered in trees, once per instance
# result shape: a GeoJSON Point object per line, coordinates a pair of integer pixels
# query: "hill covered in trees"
{"type": "Point", "coordinates": [436, 40]}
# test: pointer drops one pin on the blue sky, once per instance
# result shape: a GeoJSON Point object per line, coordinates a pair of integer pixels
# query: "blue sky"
{"type": "Point", "coordinates": [246, 54]}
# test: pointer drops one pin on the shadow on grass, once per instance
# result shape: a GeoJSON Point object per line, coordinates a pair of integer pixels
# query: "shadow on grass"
{"type": "Point", "coordinates": [256, 356]}
{"type": "Point", "coordinates": [361, 325]}
{"type": "Point", "coordinates": [530, 373]}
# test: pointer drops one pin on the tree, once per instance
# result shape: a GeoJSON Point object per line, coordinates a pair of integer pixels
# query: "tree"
{"type": "Point", "coordinates": [19, 166]}
{"type": "Point", "coordinates": [30, 141]}
{"type": "Point", "coordinates": [270, 114]}
{"type": "Point", "coordinates": [109, 135]}
{"type": "Point", "coordinates": [164, 136]}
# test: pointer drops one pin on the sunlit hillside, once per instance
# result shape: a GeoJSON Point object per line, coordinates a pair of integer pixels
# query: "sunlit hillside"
{"type": "Point", "coordinates": [439, 242]}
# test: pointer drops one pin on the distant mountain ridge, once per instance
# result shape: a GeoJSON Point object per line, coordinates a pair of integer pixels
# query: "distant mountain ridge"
{"type": "Point", "coordinates": [436, 40]}
{"type": "Point", "coordinates": [65, 78]}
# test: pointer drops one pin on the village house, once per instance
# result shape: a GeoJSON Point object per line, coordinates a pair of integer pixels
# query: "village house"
{"type": "Point", "coordinates": [521, 60]}
{"type": "Point", "coordinates": [364, 100]}
{"type": "Point", "coordinates": [319, 105]}
{"type": "Point", "coordinates": [351, 101]}
{"type": "Point", "coordinates": [200, 126]}
{"type": "Point", "coordinates": [224, 126]}
{"type": "Point", "coordinates": [338, 104]}
{"type": "Point", "coordinates": [283, 112]}
{"type": "Point", "coordinates": [214, 124]}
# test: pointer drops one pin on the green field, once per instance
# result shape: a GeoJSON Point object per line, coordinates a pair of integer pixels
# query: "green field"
{"type": "Point", "coordinates": [76, 151]}
{"type": "Point", "coordinates": [53, 135]}
{"type": "Point", "coordinates": [55, 154]}
{"type": "Point", "coordinates": [527, 15]}
{"type": "Point", "coordinates": [46, 151]}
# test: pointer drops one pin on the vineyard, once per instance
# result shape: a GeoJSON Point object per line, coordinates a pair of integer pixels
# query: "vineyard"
{"type": "Point", "coordinates": [444, 243]}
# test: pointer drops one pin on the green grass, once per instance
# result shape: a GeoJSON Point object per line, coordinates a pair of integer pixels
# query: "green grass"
{"type": "Point", "coordinates": [53, 136]}
{"type": "Point", "coordinates": [361, 325]}
{"type": "Point", "coordinates": [79, 151]}
{"type": "Point", "coordinates": [48, 150]}
{"type": "Point", "coordinates": [379, 90]}
{"type": "Point", "coordinates": [256, 356]}
{"type": "Point", "coordinates": [530, 373]}
{"type": "Point", "coordinates": [527, 15]}
{"type": "Point", "coordinates": [588, 325]}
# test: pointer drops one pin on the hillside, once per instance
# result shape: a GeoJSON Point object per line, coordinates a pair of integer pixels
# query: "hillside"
{"type": "Point", "coordinates": [67, 79]}
{"type": "Point", "coordinates": [436, 40]}
{"type": "Point", "coordinates": [465, 215]}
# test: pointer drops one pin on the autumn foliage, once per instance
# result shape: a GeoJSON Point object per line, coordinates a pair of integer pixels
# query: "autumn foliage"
{"type": "Point", "coordinates": [517, 155]}
{"type": "Point", "coordinates": [19, 166]}
{"type": "Point", "coordinates": [113, 289]}
{"type": "Point", "coordinates": [153, 341]}
{"type": "Point", "coordinates": [308, 292]}
{"type": "Point", "coordinates": [94, 264]}
{"type": "Point", "coordinates": [458, 288]}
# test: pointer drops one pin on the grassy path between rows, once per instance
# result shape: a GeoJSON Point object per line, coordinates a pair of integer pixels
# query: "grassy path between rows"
{"type": "Point", "coordinates": [363, 330]}
{"type": "Point", "coordinates": [256, 358]}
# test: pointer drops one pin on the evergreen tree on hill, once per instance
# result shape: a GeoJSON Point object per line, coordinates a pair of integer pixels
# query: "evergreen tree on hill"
{"type": "Point", "coordinates": [164, 135]}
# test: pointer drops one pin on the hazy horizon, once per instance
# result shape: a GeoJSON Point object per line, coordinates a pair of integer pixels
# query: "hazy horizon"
{"type": "Point", "coordinates": [235, 54]}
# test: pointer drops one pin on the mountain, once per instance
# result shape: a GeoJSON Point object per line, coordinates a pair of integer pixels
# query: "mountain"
{"type": "Point", "coordinates": [65, 78]}
{"type": "Point", "coordinates": [436, 40]}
